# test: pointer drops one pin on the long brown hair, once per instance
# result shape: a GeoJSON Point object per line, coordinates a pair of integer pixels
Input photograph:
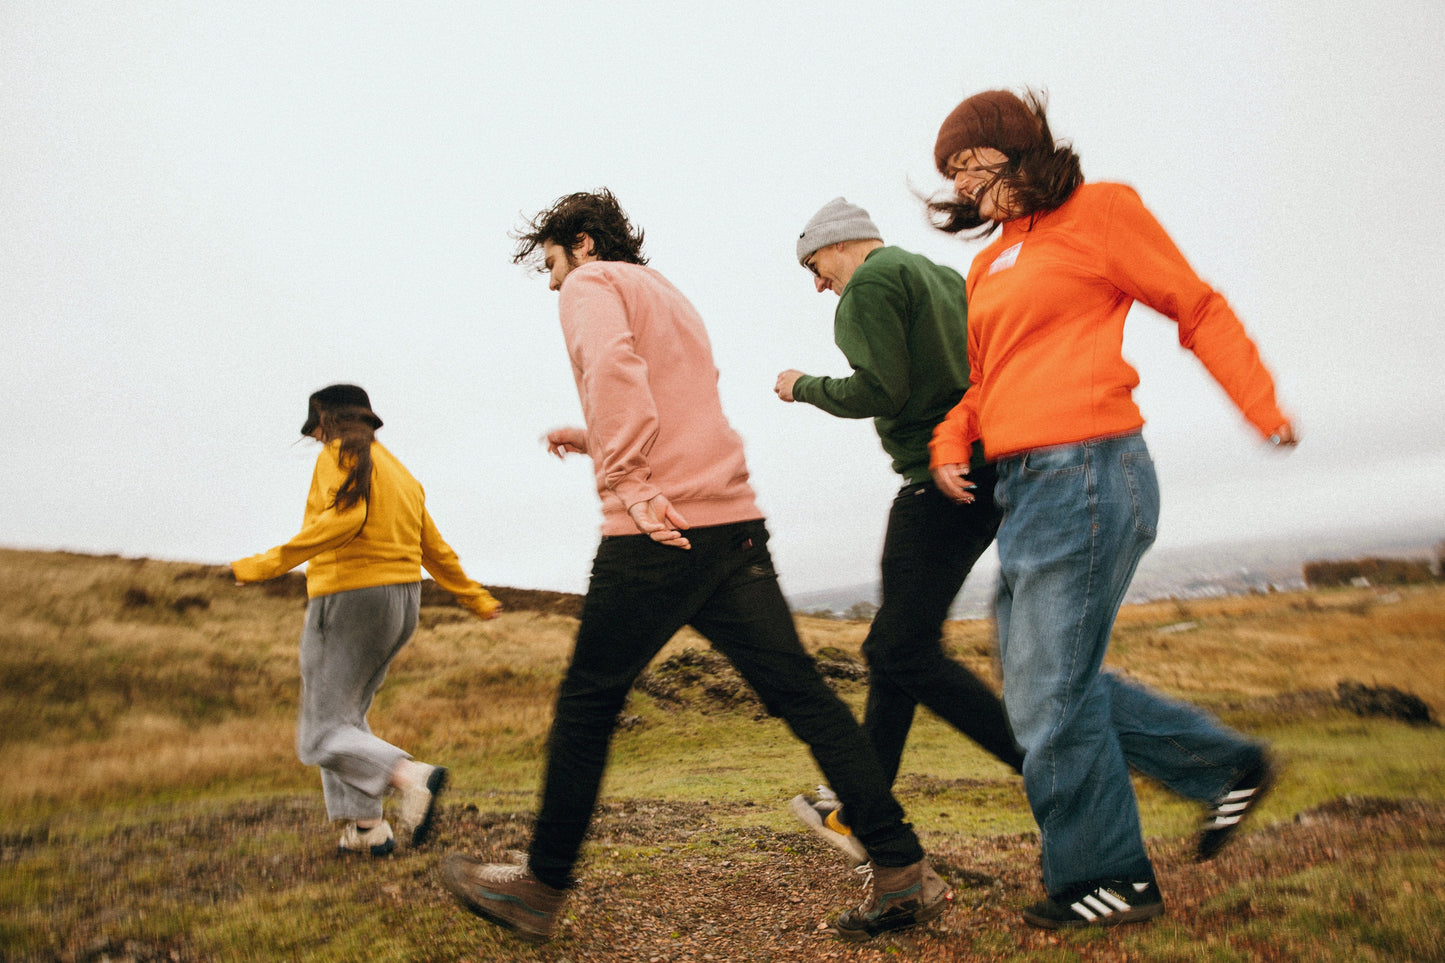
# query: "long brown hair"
{"type": "Point", "coordinates": [344, 412]}
{"type": "Point", "coordinates": [1041, 177]}
{"type": "Point", "coordinates": [353, 426]}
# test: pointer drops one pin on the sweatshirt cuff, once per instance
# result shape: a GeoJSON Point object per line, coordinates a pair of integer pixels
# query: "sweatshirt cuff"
{"type": "Point", "coordinates": [949, 451]}
{"type": "Point", "coordinates": [482, 604]}
{"type": "Point", "coordinates": [802, 386]}
{"type": "Point", "coordinates": [634, 490]}
{"type": "Point", "coordinates": [255, 568]}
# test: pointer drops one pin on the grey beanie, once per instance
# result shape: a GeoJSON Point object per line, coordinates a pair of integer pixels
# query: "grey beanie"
{"type": "Point", "coordinates": [837, 221]}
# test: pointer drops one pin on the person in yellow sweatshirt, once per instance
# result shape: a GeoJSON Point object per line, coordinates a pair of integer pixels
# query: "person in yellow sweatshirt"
{"type": "Point", "coordinates": [366, 536]}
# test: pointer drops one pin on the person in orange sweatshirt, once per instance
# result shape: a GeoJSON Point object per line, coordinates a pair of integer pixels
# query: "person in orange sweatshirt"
{"type": "Point", "coordinates": [683, 543]}
{"type": "Point", "coordinates": [366, 535]}
{"type": "Point", "coordinates": [1051, 397]}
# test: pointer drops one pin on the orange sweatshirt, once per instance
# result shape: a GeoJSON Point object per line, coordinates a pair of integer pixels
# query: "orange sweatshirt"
{"type": "Point", "coordinates": [383, 540]}
{"type": "Point", "coordinates": [648, 385]}
{"type": "Point", "coordinates": [1046, 308]}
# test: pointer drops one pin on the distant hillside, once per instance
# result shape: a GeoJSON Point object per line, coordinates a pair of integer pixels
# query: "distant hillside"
{"type": "Point", "coordinates": [1197, 571]}
{"type": "Point", "coordinates": [512, 599]}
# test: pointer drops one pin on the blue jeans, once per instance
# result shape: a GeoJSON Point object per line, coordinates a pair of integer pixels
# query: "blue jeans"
{"type": "Point", "coordinates": [1077, 519]}
{"type": "Point", "coordinates": [930, 547]}
{"type": "Point", "coordinates": [641, 593]}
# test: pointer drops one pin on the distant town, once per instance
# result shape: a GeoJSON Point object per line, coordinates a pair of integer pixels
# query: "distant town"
{"type": "Point", "coordinates": [1190, 572]}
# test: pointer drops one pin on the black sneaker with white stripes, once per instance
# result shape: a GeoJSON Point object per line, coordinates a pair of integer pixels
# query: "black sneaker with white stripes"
{"type": "Point", "coordinates": [1229, 810]}
{"type": "Point", "coordinates": [1105, 902]}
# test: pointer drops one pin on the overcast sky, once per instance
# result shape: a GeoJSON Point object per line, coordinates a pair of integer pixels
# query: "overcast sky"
{"type": "Point", "coordinates": [209, 210]}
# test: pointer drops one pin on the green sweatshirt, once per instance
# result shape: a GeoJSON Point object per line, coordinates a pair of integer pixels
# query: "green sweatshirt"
{"type": "Point", "coordinates": [902, 324]}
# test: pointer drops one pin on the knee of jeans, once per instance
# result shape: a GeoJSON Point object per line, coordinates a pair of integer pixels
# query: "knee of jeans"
{"type": "Point", "coordinates": [1031, 723]}
{"type": "Point", "coordinates": [896, 654]}
{"type": "Point", "coordinates": [803, 701]}
{"type": "Point", "coordinates": [590, 707]}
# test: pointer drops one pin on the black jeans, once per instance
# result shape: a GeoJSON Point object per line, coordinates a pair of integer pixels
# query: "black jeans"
{"type": "Point", "coordinates": [641, 593]}
{"type": "Point", "coordinates": [928, 551]}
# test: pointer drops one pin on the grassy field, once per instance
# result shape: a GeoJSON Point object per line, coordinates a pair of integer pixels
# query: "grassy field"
{"type": "Point", "coordinates": [154, 808]}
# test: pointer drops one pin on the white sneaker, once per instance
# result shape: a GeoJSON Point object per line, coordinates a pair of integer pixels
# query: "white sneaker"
{"type": "Point", "coordinates": [821, 815]}
{"type": "Point", "coordinates": [376, 841]}
{"type": "Point", "coordinates": [418, 805]}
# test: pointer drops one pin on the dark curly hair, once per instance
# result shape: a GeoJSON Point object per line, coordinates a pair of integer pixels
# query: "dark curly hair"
{"type": "Point", "coordinates": [596, 214]}
{"type": "Point", "coordinates": [1040, 177]}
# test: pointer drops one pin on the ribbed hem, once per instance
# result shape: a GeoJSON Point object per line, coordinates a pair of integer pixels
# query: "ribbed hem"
{"type": "Point", "coordinates": [699, 514]}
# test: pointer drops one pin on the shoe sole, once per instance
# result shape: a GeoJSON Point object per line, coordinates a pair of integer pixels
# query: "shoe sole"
{"type": "Point", "coordinates": [435, 783]}
{"type": "Point", "coordinates": [928, 914]}
{"type": "Point", "coordinates": [384, 849]}
{"type": "Point", "coordinates": [1137, 914]}
{"type": "Point", "coordinates": [847, 845]}
{"type": "Point", "coordinates": [460, 890]}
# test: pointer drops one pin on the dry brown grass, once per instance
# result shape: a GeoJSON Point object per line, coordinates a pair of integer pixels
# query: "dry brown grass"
{"type": "Point", "coordinates": [121, 676]}
{"type": "Point", "coordinates": [1244, 646]}
{"type": "Point", "coordinates": [155, 809]}
{"type": "Point", "coordinates": [1267, 645]}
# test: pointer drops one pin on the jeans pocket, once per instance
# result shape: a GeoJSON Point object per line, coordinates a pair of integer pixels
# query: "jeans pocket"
{"type": "Point", "coordinates": [752, 561]}
{"type": "Point", "coordinates": [1143, 491]}
{"type": "Point", "coordinates": [1058, 460]}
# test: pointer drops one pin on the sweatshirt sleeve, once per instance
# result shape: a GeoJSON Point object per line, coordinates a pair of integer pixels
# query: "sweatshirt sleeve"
{"type": "Point", "coordinates": [324, 527]}
{"type": "Point", "coordinates": [954, 436]}
{"type": "Point", "coordinates": [443, 565]}
{"type": "Point", "coordinates": [1144, 263]}
{"type": "Point", "coordinates": [616, 398]}
{"type": "Point", "coordinates": [870, 331]}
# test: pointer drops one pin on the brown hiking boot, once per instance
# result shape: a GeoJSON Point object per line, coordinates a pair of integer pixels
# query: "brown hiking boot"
{"type": "Point", "coordinates": [895, 898]}
{"type": "Point", "coordinates": [508, 895]}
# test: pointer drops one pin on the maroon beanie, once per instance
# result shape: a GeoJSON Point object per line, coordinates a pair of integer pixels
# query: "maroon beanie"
{"type": "Point", "coordinates": [994, 118]}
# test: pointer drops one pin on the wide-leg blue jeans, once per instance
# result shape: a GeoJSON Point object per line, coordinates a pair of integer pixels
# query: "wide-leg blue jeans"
{"type": "Point", "coordinates": [640, 594]}
{"type": "Point", "coordinates": [1077, 519]}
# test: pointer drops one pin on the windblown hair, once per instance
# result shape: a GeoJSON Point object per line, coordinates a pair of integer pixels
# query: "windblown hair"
{"type": "Point", "coordinates": [598, 215]}
{"type": "Point", "coordinates": [355, 427]}
{"type": "Point", "coordinates": [1041, 177]}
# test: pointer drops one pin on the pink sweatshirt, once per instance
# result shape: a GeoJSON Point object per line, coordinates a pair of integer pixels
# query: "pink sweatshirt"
{"type": "Point", "coordinates": [648, 385]}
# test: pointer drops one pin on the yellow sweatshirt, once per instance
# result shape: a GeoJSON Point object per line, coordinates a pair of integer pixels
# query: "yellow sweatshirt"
{"type": "Point", "coordinates": [383, 540]}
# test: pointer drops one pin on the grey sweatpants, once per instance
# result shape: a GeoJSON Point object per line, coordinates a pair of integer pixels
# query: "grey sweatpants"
{"type": "Point", "coordinates": [348, 644]}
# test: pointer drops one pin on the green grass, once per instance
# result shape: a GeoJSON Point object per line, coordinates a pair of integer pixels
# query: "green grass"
{"type": "Point", "coordinates": [152, 793]}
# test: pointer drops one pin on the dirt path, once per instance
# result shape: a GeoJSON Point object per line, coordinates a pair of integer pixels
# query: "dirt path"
{"type": "Point", "coordinates": [710, 892]}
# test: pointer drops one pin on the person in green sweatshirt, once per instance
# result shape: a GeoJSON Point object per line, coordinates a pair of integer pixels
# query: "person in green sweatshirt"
{"type": "Point", "coordinates": [901, 322]}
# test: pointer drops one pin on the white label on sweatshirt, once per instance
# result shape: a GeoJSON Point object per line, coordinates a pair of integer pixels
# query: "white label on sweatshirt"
{"type": "Point", "coordinates": [1006, 259]}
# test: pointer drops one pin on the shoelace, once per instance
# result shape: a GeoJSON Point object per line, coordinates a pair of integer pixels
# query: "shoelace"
{"type": "Point", "coordinates": [506, 874]}
{"type": "Point", "coordinates": [866, 871]}
{"type": "Point", "coordinates": [502, 873]}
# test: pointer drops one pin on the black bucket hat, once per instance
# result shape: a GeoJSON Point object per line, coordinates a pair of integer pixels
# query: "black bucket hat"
{"type": "Point", "coordinates": [337, 396]}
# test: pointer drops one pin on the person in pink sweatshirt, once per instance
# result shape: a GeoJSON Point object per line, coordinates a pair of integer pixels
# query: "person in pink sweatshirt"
{"type": "Point", "coordinates": [683, 543]}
